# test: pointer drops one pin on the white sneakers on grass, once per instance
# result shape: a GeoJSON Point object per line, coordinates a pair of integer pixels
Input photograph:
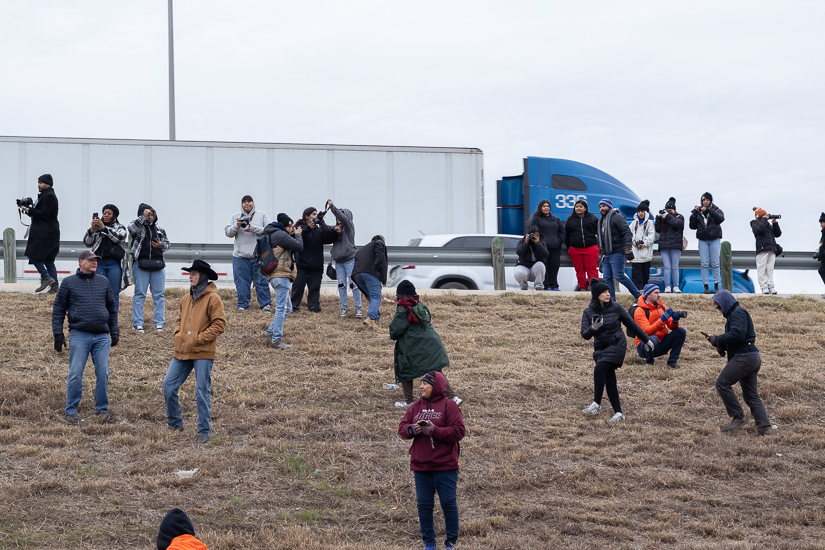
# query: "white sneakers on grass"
{"type": "Point", "coordinates": [593, 408]}
{"type": "Point", "coordinates": [618, 417]}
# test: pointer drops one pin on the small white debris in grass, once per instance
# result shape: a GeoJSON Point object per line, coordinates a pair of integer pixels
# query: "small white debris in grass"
{"type": "Point", "coordinates": [778, 454]}
{"type": "Point", "coordinates": [186, 474]}
{"type": "Point", "coordinates": [774, 427]}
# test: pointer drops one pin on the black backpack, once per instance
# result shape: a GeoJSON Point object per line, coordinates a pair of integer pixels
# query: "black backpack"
{"type": "Point", "coordinates": [632, 311]}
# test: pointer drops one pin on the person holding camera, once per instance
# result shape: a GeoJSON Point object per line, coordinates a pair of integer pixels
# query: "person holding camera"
{"type": "Point", "coordinates": [643, 234]}
{"type": "Point", "coordinates": [315, 234]}
{"type": "Point", "coordinates": [286, 241]}
{"type": "Point", "coordinates": [343, 253]}
{"type": "Point", "coordinates": [581, 238]}
{"type": "Point", "coordinates": [436, 425]}
{"type": "Point", "coordinates": [200, 321]}
{"type": "Point", "coordinates": [670, 226]}
{"type": "Point", "coordinates": [106, 238]}
{"type": "Point", "coordinates": [820, 254]}
{"type": "Point", "coordinates": [532, 255]}
{"type": "Point", "coordinates": [44, 232]}
{"type": "Point", "coordinates": [88, 300]}
{"type": "Point", "coordinates": [602, 320]}
{"type": "Point", "coordinates": [149, 242]}
{"type": "Point", "coordinates": [370, 274]}
{"type": "Point", "coordinates": [246, 226]}
{"type": "Point", "coordinates": [707, 221]}
{"type": "Point", "coordinates": [765, 229]}
{"type": "Point", "coordinates": [615, 242]}
{"type": "Point", "coordinates": [744, 362]}
{"type": "Point", "coordinates": [553, 234]}
{"type": "Point", "coordinates": [655, 319]}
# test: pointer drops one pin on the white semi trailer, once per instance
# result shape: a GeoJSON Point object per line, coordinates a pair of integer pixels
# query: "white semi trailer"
{"type": "Point", "coordinates": [196, 186]}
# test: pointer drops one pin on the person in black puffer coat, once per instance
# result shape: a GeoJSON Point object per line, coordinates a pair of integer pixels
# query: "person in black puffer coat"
{"type": "Point", "coordinates": [582, 241]}
{"type": "Point", "coordinates": [707, 221]}
{"type": "Point", "coordinates": [670, 228]}
{"type": "Point", "coordinates": [553, 234]}
{"type": "Point", "coordinates": [821, 252]}
{"type": "Point", "coordinates": [765, 231]}
{"type": "Point", "coordinates": [311, 260]}
{"type": "Point", "coordinates": [44, 234]}
{"type": "Point", "coordinates": [602, 320]}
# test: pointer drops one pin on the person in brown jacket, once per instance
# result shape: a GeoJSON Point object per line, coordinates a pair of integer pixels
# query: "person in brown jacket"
{"type": "Point", "coordinates": [200, 321]}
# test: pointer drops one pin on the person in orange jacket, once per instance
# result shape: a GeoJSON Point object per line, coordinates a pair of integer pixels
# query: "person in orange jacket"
{"type": "Point", "coordinates": [655, 318]}
{"type": "Point", "coordinates": [177, 533]}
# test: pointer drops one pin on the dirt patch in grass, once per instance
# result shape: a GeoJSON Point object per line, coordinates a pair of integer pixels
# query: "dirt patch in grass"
{"type": "Point", "coordinates": [304, 452]}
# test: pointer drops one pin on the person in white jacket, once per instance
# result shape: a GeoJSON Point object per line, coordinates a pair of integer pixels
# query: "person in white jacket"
{"type": "Point", "coordinates": [246, 226]}
{"type": "Point", "coordinates": [643, 235]}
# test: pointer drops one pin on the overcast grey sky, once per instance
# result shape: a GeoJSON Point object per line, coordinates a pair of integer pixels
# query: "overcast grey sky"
{"type": "Point", "coordinates": [671, 99]}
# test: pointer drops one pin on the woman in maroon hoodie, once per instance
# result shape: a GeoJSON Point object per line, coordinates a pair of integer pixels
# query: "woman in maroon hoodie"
{"type": "Point", "coordinates": [435, 425]}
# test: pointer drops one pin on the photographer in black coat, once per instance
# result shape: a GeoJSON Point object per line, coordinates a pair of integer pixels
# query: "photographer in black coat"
{"type": "Point", "coordinates": [44, 234]}
{"type": "Point", "coordinates": [707, 221]}
{"type": "Point", "coordinates": [670, 226]}
{"type": "Point", "coordinates": [765, 230]}
{"type": "Point", "coordinates": [532, 255]}
{"type": "Point", "coordinates": [310, 262]}
{"type": "Point", "coordinates": [820, 255]}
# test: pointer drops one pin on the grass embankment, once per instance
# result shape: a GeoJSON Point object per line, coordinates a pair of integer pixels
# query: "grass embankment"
{"type": "Point", "coordinates": [304, 453]}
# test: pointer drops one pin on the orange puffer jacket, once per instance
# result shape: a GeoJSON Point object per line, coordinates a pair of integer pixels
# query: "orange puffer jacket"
{"type": "Point", "coordinates": [186, 542]}
{"type": "Point", "coordinates": [649, 318]}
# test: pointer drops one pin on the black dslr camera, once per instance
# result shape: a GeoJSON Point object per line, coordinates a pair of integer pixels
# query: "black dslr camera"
{"type": "Point", "coordinates": [662, 213]}
{"type": "Point", "coordinates": [26, 202]}
{"type": "Point", "coordinates": [817, 256]}
{"type": "Point", "coordinates": [640, 242]}
{"type": "Point", "coordinates": [532, 235]}
{"type": "Point", "coordinates": [680, 313]}
{"type": "Point", "coordinates": [244, 222]}
{"type": "Point", "coordinates": [773, 217]}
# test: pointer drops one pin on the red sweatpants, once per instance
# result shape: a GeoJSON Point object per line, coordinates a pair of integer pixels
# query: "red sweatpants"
{"type": "Point", "coordinates": [586, 263]}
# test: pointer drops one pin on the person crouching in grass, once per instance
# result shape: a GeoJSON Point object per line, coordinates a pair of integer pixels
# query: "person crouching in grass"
{"type": "Point", "coordinates": [436, 426]}
{"type": "Point", "coordinates": [418, 348]}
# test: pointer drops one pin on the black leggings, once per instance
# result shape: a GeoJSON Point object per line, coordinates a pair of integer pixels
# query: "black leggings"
{"type": "Point", "coordinates": [551, 275]}
{"type": "Point", "coordinates": [605, 374]}
{"type": "Point", "coordinates": [822, 271]}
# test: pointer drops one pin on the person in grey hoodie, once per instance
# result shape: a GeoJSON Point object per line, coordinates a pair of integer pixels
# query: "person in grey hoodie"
{"type": "Point", "coordinates": [343, 252]}
{"type": "Point", "coordinates": [246, 226]}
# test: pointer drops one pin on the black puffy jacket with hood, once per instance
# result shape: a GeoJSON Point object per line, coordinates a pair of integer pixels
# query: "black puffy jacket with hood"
{"type": "Point", "coordinates": [708, 224]}
{"type": "Point", "coordinates": [740, 333]}
{"type": "Point", "coordinates": [581, 232]}
{"type": "Point", "coordinates": [765, 234]}
{"type": "Point", "coordinates": [610, 341]}
{"type": "Point", "coordinates": [671, 231]}
{"type": "Point", "coordinates": [551, 228]}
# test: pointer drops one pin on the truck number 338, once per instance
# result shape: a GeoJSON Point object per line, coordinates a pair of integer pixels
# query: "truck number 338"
{"type": "Point", "coordinates": [568, 201]}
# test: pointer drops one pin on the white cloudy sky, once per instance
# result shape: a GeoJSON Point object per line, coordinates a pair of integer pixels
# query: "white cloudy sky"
{"type": "Point", "coordinates": [670, 98]}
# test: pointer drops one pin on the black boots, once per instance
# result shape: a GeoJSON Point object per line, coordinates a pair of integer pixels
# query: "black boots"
{"type": "Point", "coordinates": [45, 281]}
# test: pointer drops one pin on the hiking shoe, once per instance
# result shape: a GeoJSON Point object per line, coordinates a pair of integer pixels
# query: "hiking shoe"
{"type": "Point", "coordinates": [106, 416]}
{"type": "Point", "coordinates": [677, 290]}
{"type": "Point", "coordinates": [343, 313]}
{"type": "Point", "coordinates": [267, 308]}
{"type": "Point", "coordinates": [44, 283]}
{"type": "Point", "coordinates": [139, 329]}
{"type": "Point", "coordinates": [202, 438]}
{"type": "Point", "coordinates": [53, 288]}
{"type": "Point", "coordinates": [707, 290]}
{"type": "Point", "coordinates": [372, 323]}
{"type": "Point", "coordinates": [673, 364]}
{"type": "Point", "coordinates": [772, 290]}
{"type": "Point", "coordinates": [593, 408]}
{"type": "Point", "coordinates": [457, 400]}
{"type": "Point", "coordinates": [73, 419]}
{"type": "Point", "coordinates": [359, 313]}
{"type": "Point", "coordinates": [402, 404]}
{"type": "Point", "coordinates": [279, 344]}
{"type": "Point", "coordinates": [618, 417]}
{"type": "Point", "coordinates": [175, 428]}
{"type": "Point", "coordinates": [736, 423]}
{"type": "Point", "coordinates": [764, 430]}
{"type": "Point", "coordinates": [159, 328]}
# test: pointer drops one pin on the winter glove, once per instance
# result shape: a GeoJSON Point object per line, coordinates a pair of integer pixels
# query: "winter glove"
{"type": "Point", "coordinates": [115, 339]}
{"type": "Point", "coordinates": [675, 318]}
{"type": "Point", "coordinates": [628, 252]}
{"type": "Point", "coordinates": [596, 323]}
{"type": "Point", "coordinates": [649, 345]}
{"type": "Point", "coordinates": [428, 429]}
{"type": "Point", "coordinates": [59, 342]}
{"type": "Point", "coordinates": [667, 315]}
{"type": "Point", "coordinates": [411, 430]}
{"type": "Point", "coordinates": [714, 341]}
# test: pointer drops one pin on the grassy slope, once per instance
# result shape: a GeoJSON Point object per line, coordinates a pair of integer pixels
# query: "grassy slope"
{"type": "Point", "coordinates": [304, 452]}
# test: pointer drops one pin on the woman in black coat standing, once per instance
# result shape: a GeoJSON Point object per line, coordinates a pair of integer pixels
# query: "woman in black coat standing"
{"type": "Point", "coordinates": [602, 320]}
{"type": "Point", "coordinates": [552, 233]}
{"type": "Point", "coordinates": [44, 234]}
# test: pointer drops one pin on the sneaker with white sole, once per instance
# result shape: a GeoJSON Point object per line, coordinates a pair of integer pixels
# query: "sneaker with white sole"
{"type": "Point", "coordinates": [667, 289]}
{"type": "Point", "coordinates": [159, 328]}
{"type": "Point", "coordinates": [402, 404]}
{"type": "Point", "coordinates": [618, 417]}
{"type": "Point", "coordinates": [593, 408]}
{"type": "Point", "coordinates": [359, 313]}
{"type": "Point", "coordinates": [677, 290]}
{"type": "Point", "coordinates": [539, 286]}
{"type": "Point", "coordinates": [772, 290]}
{"type": "Point", "coordinates": [343, 313]}
{"type": "Point", "coordinates": [765, 291]}
{"type": "Point", "coordinates": [457, 400]}
{"type": "Point", "coordinates": [267, 308]}
{"type": "Point", "coordinates": [139, 329]}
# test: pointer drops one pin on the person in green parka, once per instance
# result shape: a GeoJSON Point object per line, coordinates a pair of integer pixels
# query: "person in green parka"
{"type": "Point", "coordinates": [418, 348]}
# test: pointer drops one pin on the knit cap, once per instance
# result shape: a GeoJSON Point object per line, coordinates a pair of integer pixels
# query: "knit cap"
{"type": "Point", "coordinates": [47, 179]}
{"type": "Point", "coordinates": [707, 196]}
{"type": "Point", "coordinates": [670, 204]}
{"type": "Point", "coordinates": [644, 206]}
{"type": "Point", "coordinates": [597, 287]}
{"type": "Point", "coordinates": [607, 202]}
{"type": "Point", "coordinates": [648, 289]}
{"type": "Point", "coordinates": [429, 378]}
{"type": "Point", "coordinates": [284, 220]}
{"type": "Point", "coordinates": [822, 218]}
{"type": "Point", "coordinates": [405, 288]}
{"type": "Point", "coordinates": [759, 212]}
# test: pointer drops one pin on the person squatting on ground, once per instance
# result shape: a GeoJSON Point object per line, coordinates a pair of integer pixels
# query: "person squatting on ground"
{"type": "Point", "coordinates": [107, 237]}
{"type": "Point", "coordinates": [581, 238]}
{"type": "Point", "coordinates": [615, 242]}
{"type": "Point", "coordinates": [820, 255]}
{"type": "Point", "coordinates": [602, 320]}
{"type": "Point", "coordinates": [670, 226]}
{"type": "Point", "coordinates": [553, 234]}
{"type": "Point", "coordinates": [43, 234]}
{"type": "Point", "coordinates": [370, 274]}
{"type": "Point", "coordinates": [200, 321]}
{"type": "Point", "coordinates": [177, 532]}
{"type": "Point", "coordinates": [655, 318]}
{"type": "Point", "coordinates": [436, 426]}
{"type": "Point", "coordinates": [418, 347]}
{"type": "Point", "coordinates": [149, 242]}
{"type": "Point", "coordinates": [532, 255]}
{"type": "Point", "coordinates": [89, 302]}
{"type": "Point", "coordinates": [286, 241]}
{"type": "Point", "coordinates": [310, 274]}
{"type": "Point", "coordinates": [343, 253]}
{"type": "Point", "coordinates": [643, 233]}
{"type": "Point", "coordinates": [765, 230]}
{"type": "Point", "coordinates": [707, 221]}
{"type": "Point", "coordinates": [743, 365]}
{"type": "Point", "coordinates": [245, 227]}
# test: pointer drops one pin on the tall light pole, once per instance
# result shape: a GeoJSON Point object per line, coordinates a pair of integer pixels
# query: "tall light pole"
{"type": "Point", "coordinates": [171, 76]}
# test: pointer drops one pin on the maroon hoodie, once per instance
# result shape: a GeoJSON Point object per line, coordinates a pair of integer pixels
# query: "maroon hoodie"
{"type": "Point", "coordinates": [439, 451]}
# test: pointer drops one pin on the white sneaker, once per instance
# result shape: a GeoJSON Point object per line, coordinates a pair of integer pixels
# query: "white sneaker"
{"type": "Point", "coordinates": [677, 290]}
{"type": "Point", "coordinates": [772, 290]}
{"type": "Point", "coordinates": [359, 313]}
{"type": "Point", "coordinates": [667, 289]}
{"type": "Point", "coordinates": [593, 408]}
{"type": "Point", "coordinates": [159, 328]}
{"type": "Point", "coordinates": [343, 313]}
{"type": "Point", "coordinates": [457, 400]}
{"type": "Point", "coordinates": [765, 291]}
{"type": "Point", "coordinates": [402, 404]}
{"type": "Point", "coordinates": [618, 417]}
{"type": "Point", "coordinates": [139, 328]}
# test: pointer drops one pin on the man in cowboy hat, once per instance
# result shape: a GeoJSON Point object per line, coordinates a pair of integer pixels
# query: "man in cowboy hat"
{"type": "Point", "coordinates": [200, 321]}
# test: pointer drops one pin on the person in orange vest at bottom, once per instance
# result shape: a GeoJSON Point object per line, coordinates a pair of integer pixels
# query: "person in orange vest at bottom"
{"type": "Point", "coordinates": [177, 533]}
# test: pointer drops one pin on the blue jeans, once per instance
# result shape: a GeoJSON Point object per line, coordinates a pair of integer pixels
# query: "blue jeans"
{"type": "Point", "coordinates": [175, 377]}
{"type": "Point", "coordinates": [283, 306]}
{"type": "Point", "coordinates": [343, 270]}
{"type": "Point", "coordinates": [48, 269]}
{"type": "Point", "coordinates": [111, 270]}
{"type": "Point", "coordinates": [244, 271]}
{"type": "Point", "coordinates": [370, 283]}
{"type": "Point", "coordinates": [426, 485]}
{"type": "Point", "coordinates": [81, 345]}
{"type": "Point", "coordinates": [143, 280]}
{"type": "Point", "coordinates": [670, 257]}
{"type": "Point", "coordinates": [613, 266]}
{"type": "Point", "coordinates": [709, 253]}
{"type": "Point", "coordinates": [672, 342]}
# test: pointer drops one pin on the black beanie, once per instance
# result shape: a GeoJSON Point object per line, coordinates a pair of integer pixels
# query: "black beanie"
{"type": "Point", "coordinates": [246, 198]}
{"type": "Point", "coordinates": [822, 218]}
{"type": "Point", "coordinates": [644, 206]}
{"type": "Point", "coordinates": [429, 378]}
{"type": "Point", "coordinates": [670, 204]}
{"type": "Point", "coordinates": [175, 524]}
{"type": "Point", "coordinates": [405, 288]}
{"type": "Point", "coordinates": [284, 220]}
{"type": "Point", "coordinates": [111, 207]}
{"type": "Point", "coordinates": [707, 196]}
{"type": "Point", "coordinates": [47, 179]}
{"type": "Point", "coordinates": [597, 286]}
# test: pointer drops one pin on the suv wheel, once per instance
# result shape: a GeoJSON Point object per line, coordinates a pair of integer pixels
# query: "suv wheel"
{"type": "Point", "coordinates": [455, 286]}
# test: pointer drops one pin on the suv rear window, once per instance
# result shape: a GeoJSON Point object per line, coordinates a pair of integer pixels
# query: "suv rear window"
{"type": "Point", "coordinates": [458, 241]}
{"type": "Point", "coordinates": [414, 242]}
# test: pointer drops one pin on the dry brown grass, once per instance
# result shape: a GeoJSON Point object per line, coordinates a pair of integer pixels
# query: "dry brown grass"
{"type": "Point", "coordinates": [304, 453]}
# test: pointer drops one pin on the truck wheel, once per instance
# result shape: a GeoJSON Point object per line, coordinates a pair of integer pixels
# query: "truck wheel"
{"type": "Point", "coordinates": [455, 286]}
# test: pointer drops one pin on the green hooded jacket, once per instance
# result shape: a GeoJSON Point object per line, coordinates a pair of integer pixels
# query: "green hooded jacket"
{"type": "Point", "coordinates": [418, 348]}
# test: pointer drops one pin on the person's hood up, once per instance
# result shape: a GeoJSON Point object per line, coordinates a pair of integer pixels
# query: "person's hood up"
{"type": "Point", "coordinates": [175, 524]}
{"type": "Point", "coordinates": [143, 206]}
{"type": "Point", "coordinates": [725, 300]}
{"type": "Point", "coordinates": [346, 213]}
{"type": "Point", "coordinates": [439, 387]}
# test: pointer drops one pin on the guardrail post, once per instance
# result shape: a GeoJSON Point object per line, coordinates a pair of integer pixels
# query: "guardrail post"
{"type": "Point", "coordinates": [499, 281]}
{"type": "Point", "coordinates": [726, 265]}
{"type": "Point", "coordinates": [9, 256]}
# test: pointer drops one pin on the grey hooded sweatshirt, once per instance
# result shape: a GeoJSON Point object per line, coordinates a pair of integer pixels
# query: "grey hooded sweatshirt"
{"type": "Point", "coordinates": [343, 250]}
